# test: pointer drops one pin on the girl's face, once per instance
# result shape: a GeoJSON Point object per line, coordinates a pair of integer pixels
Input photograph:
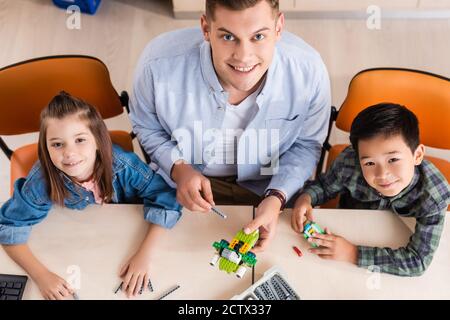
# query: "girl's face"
{"type": "Point", "coordinates": [72, 147]}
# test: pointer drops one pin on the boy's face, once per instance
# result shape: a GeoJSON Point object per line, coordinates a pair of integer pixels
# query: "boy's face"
{"type": "Point", "coordinates": [242, 43]}
{"type": "Point", "coordinates": [387, 163]}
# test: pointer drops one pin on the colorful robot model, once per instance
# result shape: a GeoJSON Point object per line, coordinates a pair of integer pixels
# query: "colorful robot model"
{"type": "Point", "coordinates": [310, 228]}
{"type": "Point", "coordinates": [236, 256]}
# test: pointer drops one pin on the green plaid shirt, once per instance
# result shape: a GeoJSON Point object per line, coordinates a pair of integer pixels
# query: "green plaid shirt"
{"type": "Point", "coordinates": [426, 198]}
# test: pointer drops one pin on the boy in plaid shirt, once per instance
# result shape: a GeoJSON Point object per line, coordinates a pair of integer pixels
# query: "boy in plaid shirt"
{"type": "Point", "coordinates": [383, 169]}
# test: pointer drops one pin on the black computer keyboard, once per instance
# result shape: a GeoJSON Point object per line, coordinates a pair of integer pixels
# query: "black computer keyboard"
{"type": "Point", "coordinates": [12, 286]}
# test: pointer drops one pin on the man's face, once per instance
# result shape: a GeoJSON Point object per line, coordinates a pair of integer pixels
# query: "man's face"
{"type": "Point", "coordinates": [388, 163]}
{"type": "Point", "coordinates": [242, 43]}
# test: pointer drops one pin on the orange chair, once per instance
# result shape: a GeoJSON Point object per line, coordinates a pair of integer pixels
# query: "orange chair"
{"type": "Point", "coordinates": [425, 94]}
{"type": "Point", "coordinates": [27, 87]}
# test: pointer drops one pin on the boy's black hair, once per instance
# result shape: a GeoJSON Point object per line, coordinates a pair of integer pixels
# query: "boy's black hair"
{"type": "Point", "coordinates": [385, 119]}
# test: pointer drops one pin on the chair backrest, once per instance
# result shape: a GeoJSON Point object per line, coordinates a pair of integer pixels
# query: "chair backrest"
{"type": "Point", "coordinates": [27, 87]}
{"type": "Point", "coordinates": [425, 94]}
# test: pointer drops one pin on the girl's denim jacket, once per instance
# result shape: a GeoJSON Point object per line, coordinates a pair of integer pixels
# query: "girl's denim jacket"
{"type": "Point", "coordinates": [133, 182]}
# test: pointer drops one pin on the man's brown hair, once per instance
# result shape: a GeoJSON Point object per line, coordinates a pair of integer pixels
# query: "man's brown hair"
{"type": "Point", "coordinates": [236, 5]}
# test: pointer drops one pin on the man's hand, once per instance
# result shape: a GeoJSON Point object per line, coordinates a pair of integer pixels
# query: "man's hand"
{"type": "Point", "coordinates": [334, 247]}
{"type": "Point", "coordinates": [266, 220]}
{"type": "Point", "coordinates": [301, 212]}
{"type": "Point", "coordinates": [191, 185]}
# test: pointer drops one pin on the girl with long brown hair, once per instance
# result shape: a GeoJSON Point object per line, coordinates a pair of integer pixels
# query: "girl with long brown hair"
{"type": "Point", "coordinates": [78, 166]}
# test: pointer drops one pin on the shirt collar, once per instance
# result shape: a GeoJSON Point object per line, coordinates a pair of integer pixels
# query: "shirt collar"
{"type": "Point", "coordinates": [88, 185]}
{"type": "Point", "coordinates": [270, 75]}
{"type": "Point", "coordinates": [207, 67]}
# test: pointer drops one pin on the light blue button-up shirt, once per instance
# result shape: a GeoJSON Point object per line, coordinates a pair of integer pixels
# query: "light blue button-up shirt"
{"type": "Point", "coordinates": [178, 101]}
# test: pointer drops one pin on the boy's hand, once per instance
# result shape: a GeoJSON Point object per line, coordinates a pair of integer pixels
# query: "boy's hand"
{"type": "Point", "coordinates": [333, 247]}
{"type": "Point", "coordinates": [135, 274]}
{"type": "Point", "coordinates": [52, 286]}
{"type": "Point", "coordinates": [301, 212]}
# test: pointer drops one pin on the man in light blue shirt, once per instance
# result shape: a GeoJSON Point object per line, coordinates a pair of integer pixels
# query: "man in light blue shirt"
{"type": "Point", "coordinates": [235, 98]}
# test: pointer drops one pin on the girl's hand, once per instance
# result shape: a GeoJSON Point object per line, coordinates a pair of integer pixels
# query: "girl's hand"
{"type": "Point", "coordinates": [334, 247]}
{"type": "Point", "coordinates": [135, 274]}
{"type": "Point", "coordinates": [52, 286]}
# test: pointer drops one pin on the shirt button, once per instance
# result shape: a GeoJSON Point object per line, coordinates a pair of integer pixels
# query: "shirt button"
{"type": "Point", "coordinates": [87, 198]}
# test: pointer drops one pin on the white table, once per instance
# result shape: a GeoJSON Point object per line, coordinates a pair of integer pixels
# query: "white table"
{"type": "Point", "coordinates": [98, 240]}
{"type": "Point", "coordinates": [315, 278]}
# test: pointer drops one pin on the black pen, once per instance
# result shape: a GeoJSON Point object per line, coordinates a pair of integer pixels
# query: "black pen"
{"type": "Point", "coordinates": [118, 288]}
{"type": "Point", "coordinates": [150, 287]}
{"type": "Point", "coordinates": [218, 212]}
{"type": "Point", "coordinates": [169, 292]}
